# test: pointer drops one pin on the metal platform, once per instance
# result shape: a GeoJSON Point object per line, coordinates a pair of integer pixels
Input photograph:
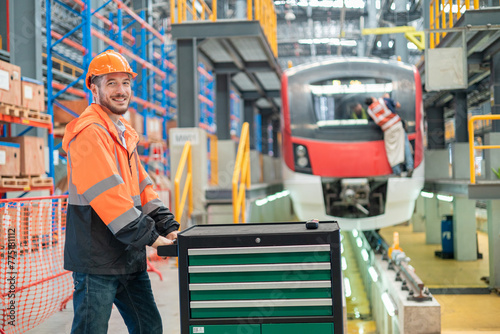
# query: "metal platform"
{"type": "Point", "coordinates": [238, 48]}
{"type": "Point", "coordinates": [482, 35]}
{"type": "Point", "coordinates": [482, 190]}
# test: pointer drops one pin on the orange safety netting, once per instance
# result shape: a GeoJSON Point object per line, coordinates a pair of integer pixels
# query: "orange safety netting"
{"type": "Point", "coordinates": [33, 283]}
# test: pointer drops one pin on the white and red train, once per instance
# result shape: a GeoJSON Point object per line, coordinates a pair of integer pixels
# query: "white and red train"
{"type": "Point", "coordinates": [335, 166]}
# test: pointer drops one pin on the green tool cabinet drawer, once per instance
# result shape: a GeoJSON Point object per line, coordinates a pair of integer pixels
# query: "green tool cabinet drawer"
{"type": "Point", "coordinates": [326, 328]}
{"type": "Point", "coordinates": [304, 328]}
{"type": "Point", "coordinates": [276, 281]}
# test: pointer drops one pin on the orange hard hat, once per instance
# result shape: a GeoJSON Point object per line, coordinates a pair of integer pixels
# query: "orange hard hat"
{"type": "Point", "coordinates": [108, 62]}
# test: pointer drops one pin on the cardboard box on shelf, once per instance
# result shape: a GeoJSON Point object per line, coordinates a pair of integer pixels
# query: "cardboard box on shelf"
{"type": "Point", "coordinates": [33, 94]}
{"type": "Point", "coordinates": [155, 128]}
{"type": "Point", "coordinates": [135, 120]}
{"type": "Point", "coordinates": [77, 106]}
{"type": "Point", "coordinates": [32, 154]}
{"type": "Point", "coordinates": [10, 159]}
{"type": "Point", "coordinates": [10, 83]}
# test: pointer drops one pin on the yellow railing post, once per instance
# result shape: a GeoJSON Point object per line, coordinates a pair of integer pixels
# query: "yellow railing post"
{"type": "Point", "coordinates": [437, 21]}
{"type": "Point", "coordinates": [214, 10]}
{"type": "Point", "coordinates": [242, 174]}
{"type": "Point", "coordinates": [450, 14]}
{"type": "Point", "coordinates": [214, 160]}
{"type": "Point", "coordinates": [250, 10]}
{"type": "Point", "coordinates": [188, 183]}
{"type": "Point", "coordinates": [472, 147]}
{"type": "Point", "coordinates": [443, 18]}
{"type": "Point", "coordinates": [172, 11]}
{"type": "Point", "coordinates": [431, 25]}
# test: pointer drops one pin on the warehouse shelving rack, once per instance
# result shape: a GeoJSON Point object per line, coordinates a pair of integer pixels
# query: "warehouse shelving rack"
{"type": "Point", "coordinates": [206, 97]}
{"type": "Point", "coordinates": [127, 32]}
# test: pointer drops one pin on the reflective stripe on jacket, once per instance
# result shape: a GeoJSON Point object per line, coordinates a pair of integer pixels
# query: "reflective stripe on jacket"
{"type": "Point", "coordinates": [113, 211]}
{"type": "Point", "coordinates": [382, 116]}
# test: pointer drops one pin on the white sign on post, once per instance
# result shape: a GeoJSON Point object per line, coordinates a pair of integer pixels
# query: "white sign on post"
{"type": "Point", "coordinates": [180, 138]}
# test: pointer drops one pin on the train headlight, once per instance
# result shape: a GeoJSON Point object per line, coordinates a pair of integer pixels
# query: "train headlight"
{"type": "Point", "coordinates": [301, 158]}
{"type": "Point", "coordinates": [302, 162]}
{"type": "Point", "coordinates": [300, 151]}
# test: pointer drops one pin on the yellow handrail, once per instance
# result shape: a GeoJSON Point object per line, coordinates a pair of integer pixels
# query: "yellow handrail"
{"type": "Point", "coordinates": [214, 159]}
{"type": "Point", "coordinates": [242, 174]}
{"type": "Point", "coordinates": [439, 20]}
{"type": "Point", "coordinates": [188, 183]}
{"type": "Point", "coordinates": [182, 8]}
{"type": "Point", "coordinates": [472, 147]}
{"type": "Point", "coordinates": [259, 10]}
{"type": "Point", "coordinates": [62, 65]}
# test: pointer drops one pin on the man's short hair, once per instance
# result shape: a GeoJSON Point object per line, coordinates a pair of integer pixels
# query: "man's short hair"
{"type": "Point", "coordinates": [369, 101]}
{"type": "Point", "coordinates": [97, 79]}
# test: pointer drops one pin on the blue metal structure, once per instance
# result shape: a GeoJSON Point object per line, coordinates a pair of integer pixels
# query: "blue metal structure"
{"type": "Point", "coordinates": [206, 99]}
{"type": "Point", "coordinates": [235, 114]}
{"type": "Point", "coordinates": [129, 34]}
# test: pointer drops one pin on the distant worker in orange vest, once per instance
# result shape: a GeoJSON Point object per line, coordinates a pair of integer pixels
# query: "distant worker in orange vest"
{"type": "Point", "coordinates": [394, 134]}
{"type": "Point", "coordinates": [393, 105]}
{"type": "Point", "coordinates": [113, 211]}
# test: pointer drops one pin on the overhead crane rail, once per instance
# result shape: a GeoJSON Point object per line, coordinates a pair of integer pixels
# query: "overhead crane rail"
{"type": "Point", "coordinates": [414, 36]}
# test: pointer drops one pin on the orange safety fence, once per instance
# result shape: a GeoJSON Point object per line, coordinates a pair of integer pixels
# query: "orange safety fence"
{"type": "Point", "coordinates": [33, 283]}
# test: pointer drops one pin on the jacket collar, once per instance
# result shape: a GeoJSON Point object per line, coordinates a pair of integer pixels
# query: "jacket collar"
{"type": "Point", "coordinates": [95, 114]}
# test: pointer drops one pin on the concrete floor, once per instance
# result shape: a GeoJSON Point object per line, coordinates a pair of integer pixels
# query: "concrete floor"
{"type": "Point", "coordinates": [462, 313]}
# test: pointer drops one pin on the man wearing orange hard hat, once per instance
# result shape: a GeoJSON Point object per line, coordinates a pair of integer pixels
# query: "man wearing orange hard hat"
{"type": "Point", "coordinates": [113, 211]}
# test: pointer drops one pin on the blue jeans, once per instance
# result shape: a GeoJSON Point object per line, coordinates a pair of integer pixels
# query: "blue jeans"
{"type": "Point", "coordinates": [94, 296]}
{"type": "Point", "coordinates": [408, 159]}
{"type": "Point", "coordinates": [408, 155]}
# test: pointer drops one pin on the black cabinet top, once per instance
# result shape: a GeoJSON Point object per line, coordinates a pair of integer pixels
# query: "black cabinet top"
{"type": "Point", "coordinates": [259, 228]}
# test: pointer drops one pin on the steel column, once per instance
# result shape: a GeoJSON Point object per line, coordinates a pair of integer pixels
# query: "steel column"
{"type": "Point", "coordinates": [493, 209]}
{"type": "Point", "coordinates": [432, 221]}
{"type": "Point", "coordinates": [26, 37]}
{"type": "Point", "coordinates": [464, 229]}
{"type": "Point", "coordinates": [401, 44]}
{"type": "Point", "coordinates": [187, 83]}
{"type": "Point", "coordinates": [4, 19]}
{"type": "Point", "coordinates": [435, 127]}
{"type": "Point", "coordinates": [50, 110]}
{"type": "Point", "coordinates": [495, 89]}
{"type": "Point", "coordinates": [249, 116]}
{"type": "Point", "coordinates": [222, 105]}
{"type": "Point", "coordinates": [461, 132]}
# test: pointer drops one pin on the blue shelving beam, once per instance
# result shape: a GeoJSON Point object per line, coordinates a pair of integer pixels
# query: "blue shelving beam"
{"type": "Point", "coordinates": [121, 30]}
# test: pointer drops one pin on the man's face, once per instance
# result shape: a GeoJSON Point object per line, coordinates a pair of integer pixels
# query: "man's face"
{"type": "Point", "coordinates": [358, 109]}
{"type": "Point", "coordinates": [113, 92]}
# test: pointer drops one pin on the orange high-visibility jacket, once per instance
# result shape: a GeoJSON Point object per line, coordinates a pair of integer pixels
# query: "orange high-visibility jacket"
{"type": "Point", "coordinates": [113, 211]}
{"type": "Point", "coordinates": [382, 115]}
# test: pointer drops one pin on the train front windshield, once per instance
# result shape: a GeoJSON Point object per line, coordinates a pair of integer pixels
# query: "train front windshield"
{"type": "Point", "coordinates": [341, 102]}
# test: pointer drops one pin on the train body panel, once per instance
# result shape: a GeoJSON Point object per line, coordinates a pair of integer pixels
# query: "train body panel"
{"type": "Point", "coordinates": [334, 163]}
{"type": "Point", "coordinates": [308, 201]}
